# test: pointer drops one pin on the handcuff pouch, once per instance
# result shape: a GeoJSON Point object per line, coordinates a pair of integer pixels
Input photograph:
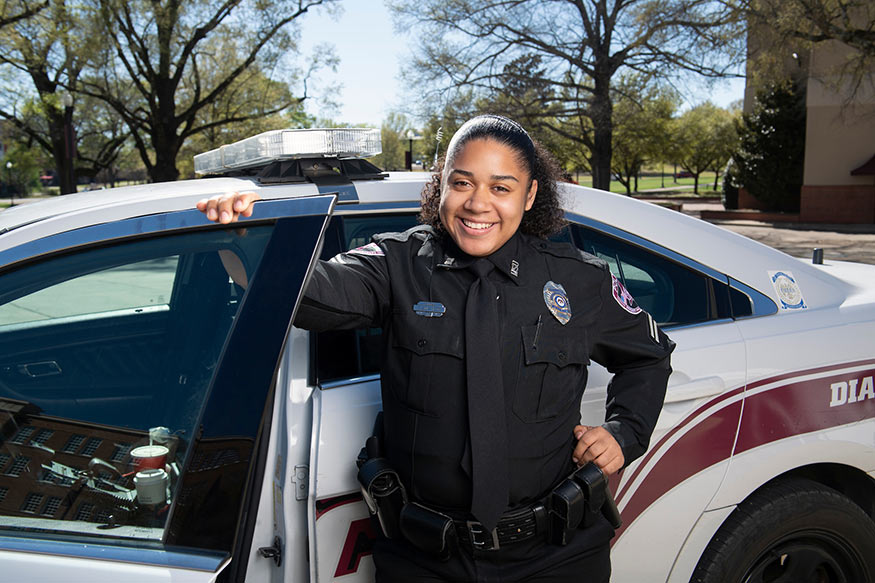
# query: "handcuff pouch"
{"type": "Point", "coordinates": [577, 501]}
{"type": "Point", "coordinates": [428, 530]}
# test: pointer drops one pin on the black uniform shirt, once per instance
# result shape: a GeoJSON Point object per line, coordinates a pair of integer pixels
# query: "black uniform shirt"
{"type": "Point", "coordinates": [543, 361]}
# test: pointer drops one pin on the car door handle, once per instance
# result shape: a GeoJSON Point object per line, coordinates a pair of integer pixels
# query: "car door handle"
{"type": "Point", "coordinates": [695, 389]}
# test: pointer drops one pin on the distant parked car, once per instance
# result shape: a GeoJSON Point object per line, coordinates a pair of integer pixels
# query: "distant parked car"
{"type": "Point", "coordinates": [683, 174]}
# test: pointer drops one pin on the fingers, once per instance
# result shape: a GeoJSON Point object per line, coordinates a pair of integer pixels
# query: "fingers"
{"type": "Point", "coordinates": [596, 444]}
{"type": "Point", "coordinates": [227, 208]}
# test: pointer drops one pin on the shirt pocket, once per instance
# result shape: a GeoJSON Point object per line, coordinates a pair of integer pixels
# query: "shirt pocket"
{"type": "Point", "coordinates": [552, 372]}
{"type": "Point", "coordinates": [429, 349]}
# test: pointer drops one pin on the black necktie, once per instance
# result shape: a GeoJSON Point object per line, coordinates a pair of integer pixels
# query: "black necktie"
{"type": "Point", "coordinates": [486, 414]}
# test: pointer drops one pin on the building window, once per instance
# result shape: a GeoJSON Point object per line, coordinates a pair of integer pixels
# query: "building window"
{"type": "Point", "coordinates": [32, 502]}
{"type": "Point", "coordinates": [42, 436]}
{"type": "Point", "coordinates": [17, 466]}
{"type": "Point", "coordinates": [51, 506]}
{"type": "Point", "coordinates": [91, 447]}
{"type": "Point", "coordinates": [4, 459]}
{"type": "Point", "coordinates": [73, 443]}
{"type": "Point", "coordinates": [121, 450]}
{"type": "Point", "coordinates": [84, 512]}
{"type": "Point", "coordinates": [3, 491]}
{"type": "Point", "coordinates": [22, 435]}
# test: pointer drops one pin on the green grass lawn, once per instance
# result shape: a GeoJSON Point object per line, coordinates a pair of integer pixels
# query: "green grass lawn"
{"type": "Point", "coordinates": [682, 186]}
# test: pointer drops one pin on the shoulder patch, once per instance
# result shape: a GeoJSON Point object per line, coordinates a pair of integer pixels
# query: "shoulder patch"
{"type": "Point", "coordinates": [623, 297]}
{"type": "Point", "coordinates": [418, 232]}
{"type": "Point", "coordinates": [370, 249]}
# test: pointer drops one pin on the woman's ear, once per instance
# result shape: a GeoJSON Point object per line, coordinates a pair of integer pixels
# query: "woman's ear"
{"type": "Point", "coordinates": [530, 197]}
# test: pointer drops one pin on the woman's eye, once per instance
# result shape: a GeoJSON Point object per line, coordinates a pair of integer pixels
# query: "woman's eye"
{"type": "Point", "coordinates": [502, 188]}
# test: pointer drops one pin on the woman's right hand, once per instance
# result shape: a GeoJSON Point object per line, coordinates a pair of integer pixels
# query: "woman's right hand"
{"type": "Point", "coordinates": [227, 208]}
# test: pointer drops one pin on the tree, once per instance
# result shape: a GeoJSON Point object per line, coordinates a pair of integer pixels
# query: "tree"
{"type": "Point", "coordinates": [12, 12]}
{"type": "Point", "coordinates": [703, 140]}
{"type": "Point", "coordinates": [41, 52]}
{"type": "Point", "coordinates": [392, 133]}
{"type": "Point", "coordinates": [581, 46]}
{"type": "Point", "coordinates": [771, 152]}
{"type": "Point", "coordinates": [643, 115]}
{"type": "Point", "coordinates": [809, 23]}
{"type": "Point", "coordinates": [166, 65]}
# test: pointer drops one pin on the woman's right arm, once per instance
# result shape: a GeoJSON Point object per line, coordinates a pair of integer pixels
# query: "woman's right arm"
{"type": "Point", "coordinates": [349, 291]}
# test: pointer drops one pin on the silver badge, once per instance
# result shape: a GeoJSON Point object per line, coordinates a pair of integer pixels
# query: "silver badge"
{"type": "Point", "coordinates": [515, 268]}
{"type": "Point", "coordinates": [429, 309]}
{"type": "Point", "coordinates": [557, 302]}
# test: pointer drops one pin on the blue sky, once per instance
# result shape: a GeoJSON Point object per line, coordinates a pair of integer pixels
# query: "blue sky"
{"type": "Point", "coordinates": [371, 54]}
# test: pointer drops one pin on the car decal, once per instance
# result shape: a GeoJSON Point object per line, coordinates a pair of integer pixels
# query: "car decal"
{"type": "Point", "coordinates": [326, 504]}
{"type": "Point", "coordinates": [775, 408]}
{"type": "Point", "coordinates": [359, 543]}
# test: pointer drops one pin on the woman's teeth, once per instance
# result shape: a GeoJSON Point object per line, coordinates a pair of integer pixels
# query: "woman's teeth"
{"type": "Point", "coordinates": [473, 225]}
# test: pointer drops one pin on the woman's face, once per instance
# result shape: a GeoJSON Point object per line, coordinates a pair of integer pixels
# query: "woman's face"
{"type": "Point", "coordinates": [484, 193]}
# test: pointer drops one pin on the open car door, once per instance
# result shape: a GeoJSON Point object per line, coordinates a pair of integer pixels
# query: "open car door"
{"type": "Point", "coordinates": [137, 361]}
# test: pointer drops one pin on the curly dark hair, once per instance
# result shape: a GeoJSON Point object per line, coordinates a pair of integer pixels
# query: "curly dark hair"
{"type": "Point", "coordinates": [545, 218]}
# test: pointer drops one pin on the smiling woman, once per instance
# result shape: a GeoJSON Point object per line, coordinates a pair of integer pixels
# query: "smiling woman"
{"type": "Point", "coordinates": [487, 331]}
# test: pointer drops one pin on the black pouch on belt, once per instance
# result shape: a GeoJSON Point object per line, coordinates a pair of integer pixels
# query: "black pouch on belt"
{"type": "Point", "coordinates": [381, 487]}
{"type": "Point", "coordinates": [577, 501]}
{"type": "Point", "coordinates": [428, 530]}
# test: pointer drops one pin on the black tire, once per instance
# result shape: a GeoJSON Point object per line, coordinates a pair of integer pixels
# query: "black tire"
{"type": "Point", "coordinates": [793, 531]}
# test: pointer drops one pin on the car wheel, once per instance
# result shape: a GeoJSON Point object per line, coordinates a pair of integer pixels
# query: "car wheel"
{"type": "Point", "coordinates": [794, 531]}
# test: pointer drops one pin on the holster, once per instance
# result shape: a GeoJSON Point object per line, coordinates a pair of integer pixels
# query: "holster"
{"type": "Point", "coordinates": [576, 502]}
{"type": "Point", "coordinates": [381, 487]}
{"type": "Point", "coordinates": [428, 530]}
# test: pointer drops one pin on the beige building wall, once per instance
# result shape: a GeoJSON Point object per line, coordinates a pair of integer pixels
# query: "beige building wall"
{"type": "Point", "coordinates": [840, 136]}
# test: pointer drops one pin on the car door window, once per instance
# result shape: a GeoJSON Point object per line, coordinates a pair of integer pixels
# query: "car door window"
{"type": "Point", "coordinates": [673, 294]}
{"type": "Point", "coordinates": [105, 360]}
{"type": "Point", "coordinates": [344, 354]}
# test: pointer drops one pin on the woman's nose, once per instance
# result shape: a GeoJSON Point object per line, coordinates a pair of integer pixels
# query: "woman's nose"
{"type": "Point", "coordinates": [479, 200]}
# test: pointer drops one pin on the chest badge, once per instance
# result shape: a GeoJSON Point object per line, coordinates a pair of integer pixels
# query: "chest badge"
{"type": "Point", "coordinates": [429, 309]}
{"type": "Point", "coordinates": [557, 302]}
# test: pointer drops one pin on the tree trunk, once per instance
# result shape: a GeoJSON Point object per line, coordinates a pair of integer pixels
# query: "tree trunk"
{"type": "Point", "coordinates": [716, 178]}
{"type": "Point", "coordinates": [696, 183]}
{"type": "Point", "coordinates": [64, 163]}
{"type": "Point", "coordinates": [603, 129]}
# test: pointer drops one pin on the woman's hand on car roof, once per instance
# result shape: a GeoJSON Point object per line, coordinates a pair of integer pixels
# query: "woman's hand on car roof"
{"type": "Point", "coordinates": [229, 207]}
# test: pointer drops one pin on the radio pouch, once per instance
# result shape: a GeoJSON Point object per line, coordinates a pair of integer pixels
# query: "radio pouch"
{"type": "Point", "coordinates": [428, 530]}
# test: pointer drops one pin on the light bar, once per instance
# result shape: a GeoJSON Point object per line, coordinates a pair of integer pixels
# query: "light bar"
{"type": "Point", "coordinates": [289, 144]}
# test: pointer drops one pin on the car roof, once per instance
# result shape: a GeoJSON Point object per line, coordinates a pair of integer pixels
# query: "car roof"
{"type": "Point", "coordinates": [746, 260]}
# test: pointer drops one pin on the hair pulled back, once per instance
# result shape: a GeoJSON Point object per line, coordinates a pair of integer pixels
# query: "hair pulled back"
{"type": "Point", "coordinates": [545, 217]}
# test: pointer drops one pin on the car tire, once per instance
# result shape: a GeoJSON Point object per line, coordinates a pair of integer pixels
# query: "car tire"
{"type": "Point", "coordinates": [793, 531]}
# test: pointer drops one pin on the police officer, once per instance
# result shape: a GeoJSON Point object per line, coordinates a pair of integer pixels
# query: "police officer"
{"type": "Point", "coordinates": [488, 330]}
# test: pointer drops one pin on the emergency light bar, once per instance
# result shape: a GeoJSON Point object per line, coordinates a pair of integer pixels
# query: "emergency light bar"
{"type": "Point", "coordinates": [290, 144]}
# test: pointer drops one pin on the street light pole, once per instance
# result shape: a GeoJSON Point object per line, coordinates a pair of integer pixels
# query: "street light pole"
{"type": "Point", "coordinates": [9, 183]}
{"type": "Point", "coordinates": [69, 146]}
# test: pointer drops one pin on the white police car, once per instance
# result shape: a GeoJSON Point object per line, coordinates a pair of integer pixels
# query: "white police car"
{"type": "Point", "coordinates": [160, 420]}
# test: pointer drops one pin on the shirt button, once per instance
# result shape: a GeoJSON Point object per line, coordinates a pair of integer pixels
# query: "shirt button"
{"type": "Point", "coordinates": [562, 355]}
{"type": "Point", "coordinates": [421, 342]}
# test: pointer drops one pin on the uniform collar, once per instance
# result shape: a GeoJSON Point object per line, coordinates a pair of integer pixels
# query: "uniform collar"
{"type": "Point", "coordinates": [508, 259]}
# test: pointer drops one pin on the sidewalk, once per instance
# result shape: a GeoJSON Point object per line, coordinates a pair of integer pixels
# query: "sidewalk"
{"type": "Point", "coordinates": [839, 242]}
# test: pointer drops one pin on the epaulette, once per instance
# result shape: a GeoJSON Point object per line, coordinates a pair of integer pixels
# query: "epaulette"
{"type": "Point", "coordinates": [566, 250]}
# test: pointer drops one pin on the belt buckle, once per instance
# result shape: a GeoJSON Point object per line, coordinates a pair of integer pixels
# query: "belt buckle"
{"type": "Point", "coordinates": [482, 539]}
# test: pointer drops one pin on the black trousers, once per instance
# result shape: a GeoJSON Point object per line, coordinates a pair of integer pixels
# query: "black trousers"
{"type": "Point", "coordinates": [586, 559]}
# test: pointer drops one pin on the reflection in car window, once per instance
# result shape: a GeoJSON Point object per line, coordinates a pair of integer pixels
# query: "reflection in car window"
{"type": "Point", "coordinates": [361, 349]}
{"type": "Point", "coordinates": [105, 360]}
{"type": "Point", "coordinates": [140, 284]}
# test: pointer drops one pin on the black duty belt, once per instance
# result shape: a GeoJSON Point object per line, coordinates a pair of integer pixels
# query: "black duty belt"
{"type": "Point", "coordinates": [513, 527]}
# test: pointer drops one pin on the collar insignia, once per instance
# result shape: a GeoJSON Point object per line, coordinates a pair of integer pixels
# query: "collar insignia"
{"type": "Point", "coordinates": [515, 268]}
